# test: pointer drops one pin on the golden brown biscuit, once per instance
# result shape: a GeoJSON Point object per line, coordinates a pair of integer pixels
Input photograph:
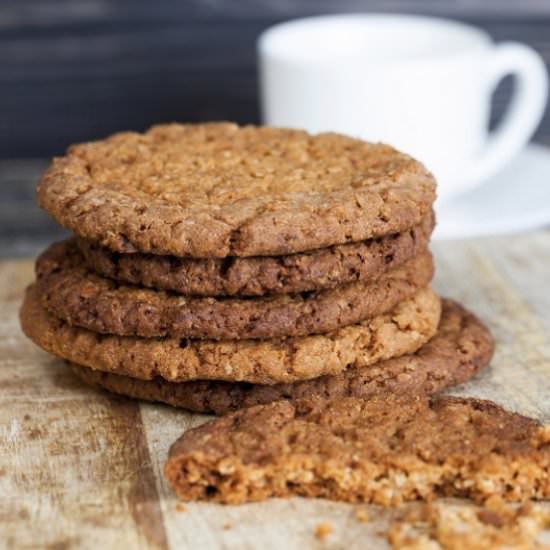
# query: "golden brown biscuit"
{"type": "Point", "coordinates": [403, 330]}
{"type": "Point", "coordinates": [82, 298]}
{"type": "Point", "coordinates": [461, 347]}
{"type": "Point", "coordinates": [261, 275]}
{"type": "Point", "coordinates": [217, 190]}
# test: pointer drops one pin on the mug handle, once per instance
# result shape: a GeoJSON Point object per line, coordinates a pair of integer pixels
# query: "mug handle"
{"type": "Point", "coordinates": [524, 113]}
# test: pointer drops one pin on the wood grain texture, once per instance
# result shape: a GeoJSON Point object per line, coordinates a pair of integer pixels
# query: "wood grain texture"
{"type": "Point", "coordinates": [82, 469]}
{"type": "Point", "coordinates": [48, 425]}
{"type": "Point", "coordinates": [73, 70]}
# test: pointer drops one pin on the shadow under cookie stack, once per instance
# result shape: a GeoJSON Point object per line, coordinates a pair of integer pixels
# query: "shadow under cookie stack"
{"type": "Point", "coordinates": [215, 267]}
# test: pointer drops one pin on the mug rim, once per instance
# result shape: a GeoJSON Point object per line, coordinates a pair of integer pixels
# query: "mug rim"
{"type": "Point", "coordinates": [268, 42]}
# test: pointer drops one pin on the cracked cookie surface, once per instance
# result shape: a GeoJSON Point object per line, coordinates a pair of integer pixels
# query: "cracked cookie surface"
{"type": "Point", "coordinates": [460, 348]}
{"type": "Point", "coordinates": [403, 330]}
{"type": "Point", "coordinates": [217, 190]}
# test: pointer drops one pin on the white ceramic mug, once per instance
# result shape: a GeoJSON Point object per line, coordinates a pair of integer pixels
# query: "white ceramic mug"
{"type": "Point", "coordinates": [421, 84]}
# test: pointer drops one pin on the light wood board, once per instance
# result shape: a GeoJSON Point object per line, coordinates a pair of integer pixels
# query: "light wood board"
{"type": "Point", "coordinates": [82, 469]}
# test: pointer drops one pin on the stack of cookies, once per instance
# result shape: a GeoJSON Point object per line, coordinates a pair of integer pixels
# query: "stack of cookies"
{"type": "Point", "coordinates": [215, 267]}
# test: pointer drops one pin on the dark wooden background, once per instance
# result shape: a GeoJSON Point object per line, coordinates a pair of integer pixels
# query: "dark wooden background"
{"type": "Point", "coordinates": [72, 70]}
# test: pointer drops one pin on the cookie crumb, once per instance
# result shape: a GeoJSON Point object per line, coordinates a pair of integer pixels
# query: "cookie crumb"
{"type": "Point", "coordinates": [323, 530]}
{"type": "Point", "coordinates": [457, 525]}
{"type": "Point", "coordinates": [488, 517]}
{"type": "Point", "coordinates": [180, 507]}
{"type": "Point", "coordinates": [227, 526]}
{"type": "Point", "coordinates": [362, 515]}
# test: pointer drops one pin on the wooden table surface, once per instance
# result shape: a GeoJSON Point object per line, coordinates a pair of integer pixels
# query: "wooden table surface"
{"type": "Point", "coordinates": [80, 468]}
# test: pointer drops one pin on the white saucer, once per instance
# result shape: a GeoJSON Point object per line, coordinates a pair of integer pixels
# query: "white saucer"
{"type": "Point", "coordinates": [516, 199]}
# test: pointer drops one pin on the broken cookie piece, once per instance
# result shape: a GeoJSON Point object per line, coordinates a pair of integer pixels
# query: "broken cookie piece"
{"type": "Point", "coordinates": [385, 451]}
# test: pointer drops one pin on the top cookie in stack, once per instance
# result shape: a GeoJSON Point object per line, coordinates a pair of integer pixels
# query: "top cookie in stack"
{"type": "Point", "coordinates": [235, 255]}
{"type": "Point", "coordinates": [217, 190]}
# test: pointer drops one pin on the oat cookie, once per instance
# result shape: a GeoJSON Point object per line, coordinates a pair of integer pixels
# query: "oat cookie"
{"type": "Point", "coordinates": [461, 347]}
{"type": "Point", "coordinates": [403, 330]}
{"type": "Point", "coordinates": [217, 190]}
{"type": "Point", "coordinates": [82, 298]}
{"type": "Point", "coordinates": [384, 450]}
{"type": "Point", "coordinates": [261, 275]}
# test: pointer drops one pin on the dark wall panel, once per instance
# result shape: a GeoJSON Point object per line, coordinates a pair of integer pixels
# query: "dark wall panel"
{"type": "Point", "coordinates": [72, 70]}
